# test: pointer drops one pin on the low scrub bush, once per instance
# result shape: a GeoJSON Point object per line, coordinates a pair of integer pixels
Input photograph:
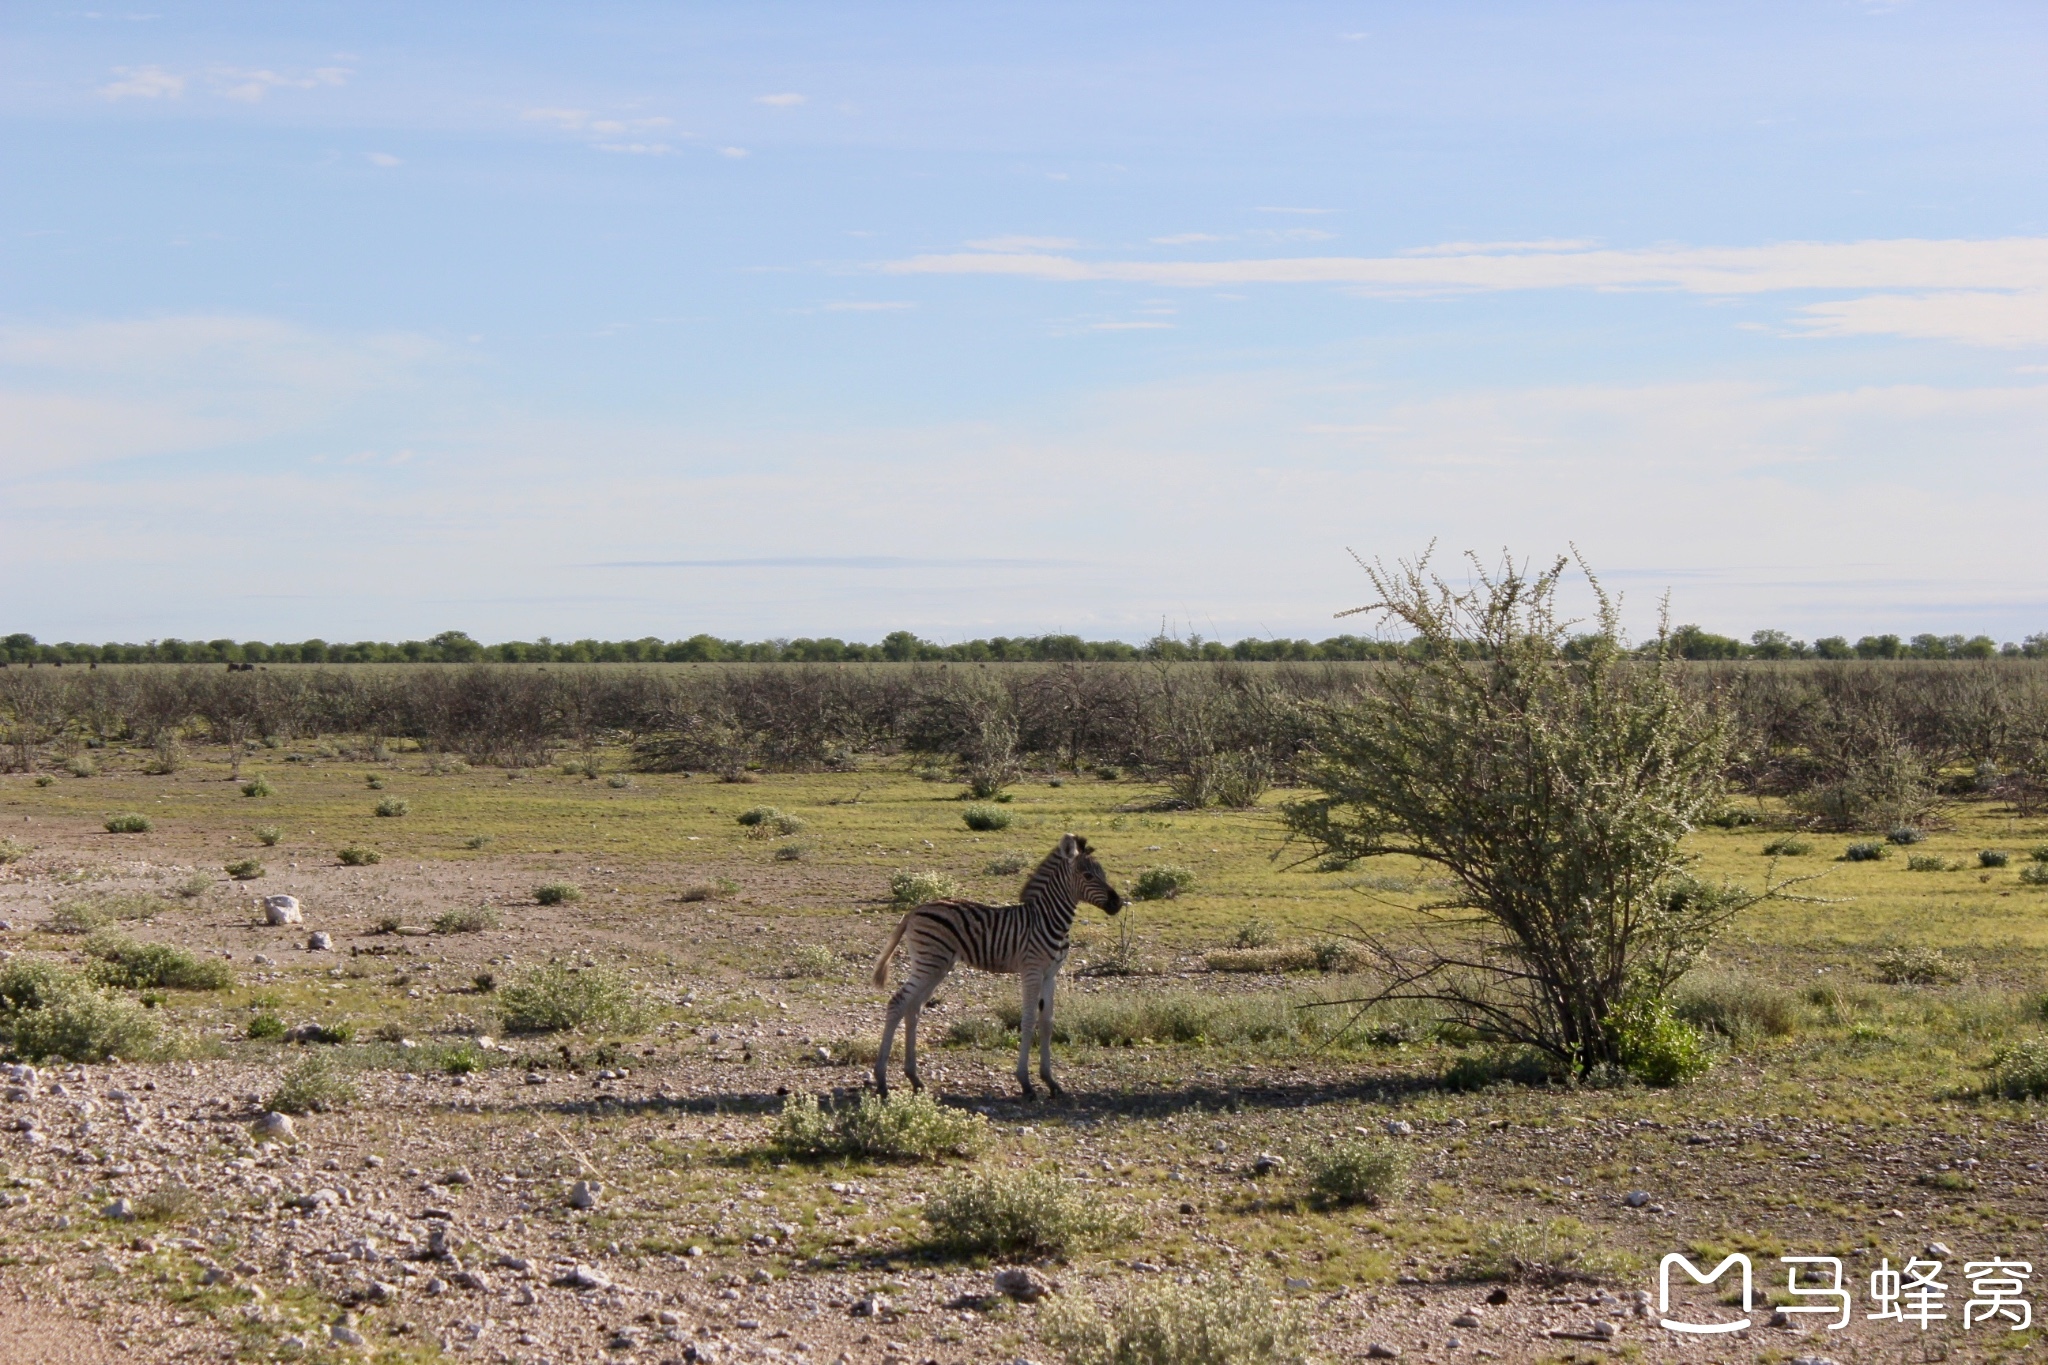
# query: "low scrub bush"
{"type": "Point", "coordinates": [2035, 874]}
{"type": "Point", "coordinates": [557, 893]}
{"type": "Point", "coordinates": [1992, 857]}
{"type": "Point", "coordinates": [266, 1026]}
{"type": "Point", "coordinates": [1787, 846]}
{"type": "Point", "coordinates": [1557, 1252]}
{"type": "Point", "coordinates": [314, 1086]}
{"type": "Point", "coordinates": [1252, 933]}
{"type": "Point", "coordinates": [921, 888]}
{"type": "Point", "coordinates": [1735, 1006]}
{"type": "Point", "coordinates": [12, 851]}
{"type": "Point", "coordinates": [29, 983]}
{"type": "Point", "coordinates": [2020, 1071]}
{"type": "Point", "coordinates": [1656, 1046]}
{"type": "Point", "coordinates": [81, 1023]}
{"type": "Point", "coordinates": [1916, 967]}
{"type": "Point", "coordinates": [1905, 834]}
{"type": "Point", "coordinates": [1499, 1066]}
{"type": "Point", "coordinates": [258, 787]}
{"type": "Point", "coordinates": [812, 960]}
{"type": "Point", "coordinates": [1005, 865]}
{"type": "Point", "coordinates": [477, 841]}
{"type": "Point", "coordinates": [127, 965]}
{"type": "Point", "coordinates": [1162, 883]}
{"type": "Point", "coordinates": [129, 823]}
{"type": "Point", "coordinates": [1369, 1171]}
{"type": "Point", "coordinates": [1926, 862]}
{"type": "Point", "coordinates": [392, 806]}
{"type": "Point", "coordinates": [1027, 1214]}
{"type": "Point", "coordinates": [619, 782]}
{"type": "Point", "coordinates": [1324, 955]}
{"type": "Point", "coordinates": [1865, 851]}
{"type": "Point", "coordinates": [194, 886]}
{"type": "Point", "coordinates": [912, 1127]}
{"type": "Point", "coordinates": [1130, 1019]}
{"type": "Point", "coordinates": [357, 856]}
{"type": "Point", "coordinates": [374, 782]}
{"type": "Point", "coordinates": [270, 836]}
{"type": "Point", "coordinates": [699, 891]}
{"type": "Point", "coordinates": [792, 852]}
{"type": "Point", "coordinates": [170, 1202]}
{"type": "Point", "coordinates": [554, 998]}
{"type": "Point", "coordinates": [93, 913]}
{"type": "Point", "coordinates": [1209, 1322]}
{"type": "Point", "coordinates": [244, 869]}
{"type": "Point", "coordinates": [470, 920]}
{"type": "Point", "coordinates": [756, 816]}
{"type": "Point", "coordinates": [80, 766]}
{"type": "Point", "coordinates": [986, 819]}
{"type": "Point", "coordinates": [1734, 817]}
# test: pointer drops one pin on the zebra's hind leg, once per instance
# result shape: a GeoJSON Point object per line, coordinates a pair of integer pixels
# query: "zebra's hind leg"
{"type": "Point", "coordinates": [889, 1022]}
{"type": "Point", "coordinates": [914, 996]}
{"type": "Point", "coordinates": [1045, 1034]}
{"type": "Point", "coordinates": [1027, 1028]}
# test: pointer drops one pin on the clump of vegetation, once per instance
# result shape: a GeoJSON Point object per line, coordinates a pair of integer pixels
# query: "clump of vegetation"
{"type": "Point", "coordinates": [477, 841]}
{"type": "Point", "coordinates": [1023, 1214]}
{"type": "Point", "coordinates": [792, 852]}
{"type": "Point", "coordinates": [912, 1127]}
{"type": "Point", "coordinates": [470, 920]}
{"type": "Point", "coordinates": [270, 836]}
{"type": "Point", "coordinates": [1905, 834]}
{"type": "Point", "coordinates": [1209, 1322]}
{"type": "Point", "coordinates": [1252, 933]}
{"type": "Point", "coordinates": [1992, 857]}
{"type": "Point", "coordinates": [127, 965]}
{"type": "Point", "coordinates": [257, 786]}
{"type": "Point", "coordinates": [193, 887]}
{"type": "Point", "coordinates": [129, 822]}
{"type": "Point", "coordinates": [921, 888]}
{"type": "Point", "coordinates": [557, 893]}
{"type": "Point", "coordinates": [756, 816]}
{"type": "Point", "coordinates": [699, 891]}
{"type": "Point", "coordinates": [46, 1011]}
{"type": "Point", "coordinates": [392, 806]}
{"type": "Point", "coordinates": [170, 1202]}
{"type": "Point", "coordinates": [244, 869]}
{"type": "Point", "coordinates": [1005, 865]}
{"type": "Point", "coordinates": [266, 1026]}
{"type": "Point", "coordinates": [1134, 1018]}
{"type": "Point", "coordinates": [313, 1086]}
{"type": "Point", "coordinates": [1163, 883]}
{"type": "Point", "coordinates": [812, 960]}
{"type": "Point", "coordinates": [92, 913]}
{"type": "Point", "coordinates": [78, 765]}
{"type": "Point", "coordinates": [1787, 846]}
{"type": "Point", "coordinates": [1500, 1066]}
{"type": "Point", "coordinates": [30, 983]}
{"type": "Point", "coordinates": [1369, 1171]}
{"type": "Point", "coordinates": [2020, 1071]}
{"type": "Point", "coordinates": [618, 782]}
{"type": "Point", "coordinates": [1655, 1046]}
{"type": "Point", "coordinates": [357, 856]}
{"type": "Point", "coordinates": [374, 782]}
{"type": "Point", "coordinates": [1557, 1252]}
{"type": "Point", "coordinates": [2035, 874]}
{"type": "Point", "coordinates": [1737, 1007]}
{"type": "Point", "coordinates": [556, 997]}
{"type": "Point", "coordinates": [45, 780]}
{"type": "Point", "coordinates": [1916, 967]}
{"type": "Point", "coordinates": [1926, 862]}
{"type": "Point", "coordinates": [986, 819]}
{"type": "Point", "coordinates": [1734, 817]}
{"type": "Point", "coordinates": [12, 851]}
{"type": "Point", "coordinates": [1865, 851]}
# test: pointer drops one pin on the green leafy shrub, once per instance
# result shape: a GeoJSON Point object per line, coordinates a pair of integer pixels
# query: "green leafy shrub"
{"type": "Point", "coordinates": [392, 806]}
{"type": "Point", "coordinates": [921, 888]}
{"type": "Point", "coordinates": [244, 869]}
{"type": "Point", "coordinates": [1925, 862]}
{"type": "Point", "coordinates": [194, 886]}
{"type": "Point", "coordinates": [1865, 851]}
{"type": "Point", "coordinates": [1022, 1214]}
{"type": "Point", "coordinates": [127, 965]}
{"type": "Point", "coordinates": [80, 766]}
{"type": "Point", "coordinates": [1369, 1171]}
{"type": "Point", "coordinates": [2039, 855]}
{"type": "Point", "coordinates": [313, 1086]}
{"type": "Point", "coordinates": [1916, 967]}
{"type": "Point", "coordinates": [2019, 1071]}
{"type": "Point", "coordinates": [92, 913]}
{"type": "Point", "coordinates": [812, 960]}
{"type": "Point", "coordinates": [357, 856]}
{"type": "Point", "coordinates": [699, 891]}
{"type": "Point", "coordinates": [45, 780]}
{"type": "Point", "coordinates": [374, 782]}
{"type": "Point", "coordinates": [266, 1026]}
{"type": "Point", "coordinates": [1005, 865]}
{"type": "Point", "coordinates": [1209, 1322]}
{"type": "Point", "coordinates": [30, 983]}
{"type": "Point", "coordinates": [470, 920]}
{"type": "Point", "coordinates": [81, 1023]}
{"type": "Point", "coordinates": [257, 786]}
{"type": "Point", "coordinates": [792, 852]}
{"type": "Point", "coordinates": [130, 822]}
{"type": "Point", "coordinates": [1787, 846]}
{"type": "Point", "coordinates": [557, 893]}
{"type": "Point", "coordinates": [1734, 817]}
{"type": "Point", "coordinates": [12, 851]}
{"type": "Point", "coordinates": [1163, 883]}
{"type": "Point", "coordinates": [1736, 1006]}
{"type": "Point", "coordinates": [1904, 834]}
{"type": "Point", "coordinates": [2035, 874]}
{"type": "Point", "coordinates": [618, 782]}
{"type": "Point", "coordinates": [1252, 933]}
{"type": "Point", "coordinates": [756, 816]}
{"type": "Point", "coordinates": [477, 841]}
{"type": "Point", "coordinates": [1557, 1252]}
{"type": "Point", "coordinates": [270, 836]}
{"type": "Point", "coordinates": [1134, 1018]}
{"type": "Point", "coordinates": [912, 1127]}
{"type": "Point", "coordinates": [986, 819]}
{"type": "Point", "coordinates": [555, 997]}
{"type": "Point", "coordinates": [1656, 1046]}
{"type": "Point", "coordinates": [1992, 857]}
{"type": "Point", "coordinates": [1507, 1066]}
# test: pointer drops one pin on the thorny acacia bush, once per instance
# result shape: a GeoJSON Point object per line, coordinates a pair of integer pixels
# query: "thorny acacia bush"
{"type": "Point", "coordinates": [1553, 778]}
{"type": "Point", "coordinates": [1210, 1322]}
{"type": "Point", "coordinates": [912, 1127]}
{"type": "Point", "coordinates": [995, 1212]}
{"type": "Point", "coordinates": [556, 997]}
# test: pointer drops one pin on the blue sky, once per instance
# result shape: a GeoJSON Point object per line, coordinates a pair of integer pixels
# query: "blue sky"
{"type": "Point", "coordinates": [369, 321]}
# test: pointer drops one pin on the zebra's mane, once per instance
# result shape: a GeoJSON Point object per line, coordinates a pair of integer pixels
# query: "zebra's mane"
{"type": "Point", "coordinates": [1050, 866]}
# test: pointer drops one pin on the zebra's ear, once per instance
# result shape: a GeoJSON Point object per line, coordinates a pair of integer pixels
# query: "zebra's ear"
{"type": "Point", "coordinates": [1081, 842]}
{"type": "Point", "coordinates": [1071, 844]}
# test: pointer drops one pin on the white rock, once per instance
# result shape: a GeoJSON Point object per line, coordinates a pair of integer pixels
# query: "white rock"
{"type": "Point", "coordinates": [1400, 1128]}
{"type": "Point", "coordinates": [281, 910]}
{"type": "Point", "coordinates": [1022, 1283]}
{"type": "Point", "coordinates": [275, 1127]}
{"type": "Point", "coordinates": [120, 1210]}
{"type": "Point", "coordinates": [588, 1277]}
{"type": "Point", "coordinates": [341, 1334]}
{"type": "Point", "coordinates": [320, 942]}
{"type": "Point", "coordinates": [1637, 1198]}
{"type": "Point", "coordinates": [583, 1194]}
{"type": "Point", "coordinates": [871, 1306]}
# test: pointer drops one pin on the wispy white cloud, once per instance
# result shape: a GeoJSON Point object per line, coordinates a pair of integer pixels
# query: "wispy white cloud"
{"type": "Point", "coordinates": [1984, 292]}
{"type": "Point", "coordinates": [1024, 244]}
{"type": "Point", "coordinates": [383, 159]}
{"type": "Point", "coordinates": [783, 101]}
{"type": "Point", "coordinates": [635, 148]}
{"type": "Point", "coordinates": [1188, 239]}
{"type": "Point", "coordinates": [736, 153]}
{"type": "Point", "coordinates": [251, 86]}
{"type": "Point", "coordinates": [1129, 326]}
{"type": "Point", "coordinates": [1281, 208]}
{"type": "Point", "coordinates": [1471, 248]}
{"type": "Point", "coordinates": [866, 306]}
{"type": "Point", "coordinates": [143, 83]}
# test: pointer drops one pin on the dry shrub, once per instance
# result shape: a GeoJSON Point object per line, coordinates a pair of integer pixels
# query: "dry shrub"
{"type": "Point", "coordinates": [554, 998]}
{"type": "Point", "coordinates": [1022, 1213]}
{"type": "Point", "coordinates": [314, 1086]}
{"type": "Point", "coordinates": [912, 1127]}
{"type": "Point", "coordinates": [1209, 1322]}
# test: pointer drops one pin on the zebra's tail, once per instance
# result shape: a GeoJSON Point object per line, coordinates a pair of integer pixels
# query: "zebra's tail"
{"type": "Point", "coordinates": [882, 964]}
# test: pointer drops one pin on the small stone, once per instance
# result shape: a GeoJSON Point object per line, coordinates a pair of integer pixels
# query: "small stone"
{"type": "Point", "coordinates": [1813, 1360]}
{"type": "Point", "coordinates": [524, 1297]}
{"type": "Point", "coordinates": [262, 961]}
{"type": "Point", "coordinates": [583, 1194]}
{"type": "Point", "coordinates": [216, 1275]}
{"type": "Point", "coordinates": [760, 1277]}
{"type": "Point", "coordinates": [1297, 1282]}
{"type": "Point", "coordinates": [1466, 1319]}
{"type": "Point", "coordinates": [1400, 1128]}
{"type": "Point", "coordinates": [281, 910]}
{"type": "Point", "coordinates": [1379, 1350]}
{"type": "Point", "coordinates": [436, 1285]}
{"type": "Point", "coordinates": [459, 1176]}
{"type": "Point", "coordinates": [871, 1306]}
{"type": "Point", "coordinates": [587, 1277]}
{"type": "Point", "coordinates": [275, 1127]}
{"type": "Point", "coordinates": [1604, 1329]}
{"type": "Point", "coordinates": [120, 1211]}
{"type": "Point", "coordinates": [320, 942]}
{"type": "Point", "coordinates": [143, 1244]}
{"type": "Point", "coordinates": [1637, 1198]}
{"type": "Point", "coordinates": [1937, 1251]}
{"type": "Point", "coordinates": [1498, 1296]}
{"type": "Point", "coordinates": [666, 1318]}
{"type": "Point", "coordinates": [1022, 1283]}
{"type": "Point", "coordinates": [382, 1291]}
{"type": "Point", "coordinates": [1265, 1163]}
{"type": "Point", "coordinates": [341, 1334]}
{"type": "Point", "coordinates": [519, 1265]}
{"type": "Point", "coordinates": [1780, 1318]}
{"type": "Point", "coordinates": [473, 1279]}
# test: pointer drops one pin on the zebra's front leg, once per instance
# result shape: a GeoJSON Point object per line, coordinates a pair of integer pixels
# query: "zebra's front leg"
{"type": "Point", "coordinates": [1027, 1027]}
{"type": "Point", "coordinates": [889, 1022]}
{"type": "Point", "coordinates": [1045, 1034]}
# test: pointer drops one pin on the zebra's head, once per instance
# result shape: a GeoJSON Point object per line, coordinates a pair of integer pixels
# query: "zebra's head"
{"type": "Point", "coordinates": [1091, 883]}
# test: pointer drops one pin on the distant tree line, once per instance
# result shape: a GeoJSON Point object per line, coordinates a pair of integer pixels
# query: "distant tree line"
{"type": "Point", "coordinates": [902, 646]}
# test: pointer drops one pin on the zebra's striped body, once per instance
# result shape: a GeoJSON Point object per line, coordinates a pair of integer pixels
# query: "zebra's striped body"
{"type": "Point", "coordinates": [1029, 940]}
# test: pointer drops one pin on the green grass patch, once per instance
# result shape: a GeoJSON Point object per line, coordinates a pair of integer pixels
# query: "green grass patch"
{"type": "Point", "coordinates": [555, 998]}
{"type": "Point", "coordinates": [912, 1127]}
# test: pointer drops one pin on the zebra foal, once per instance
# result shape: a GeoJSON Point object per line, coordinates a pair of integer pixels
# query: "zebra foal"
{"type": "Point", "coordinates": [1029, 940]}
